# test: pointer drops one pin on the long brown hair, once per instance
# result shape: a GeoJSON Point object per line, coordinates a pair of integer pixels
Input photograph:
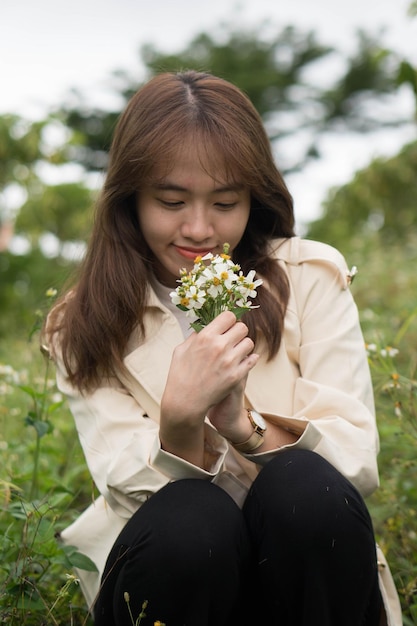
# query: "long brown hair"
{"type": "Point", "coordinates": [110, 296]}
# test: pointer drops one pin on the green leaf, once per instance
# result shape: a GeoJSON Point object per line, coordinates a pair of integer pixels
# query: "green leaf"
{"type": "Point", "coordinates": [239, 312]}
{"type": "Point", "coordinates": [197, 326]}
{"type": "Point", "coordinates": [56, 405]}
{"type": "Point", "coordinates": [44, 530]}
{"type": "Point", "coordinates": [30, 604]}
{"type": "Point", "coordinates": [77, 559]}
{"type": "Point", "coordinates": [42, 427]}
{"type": "Point", "coordinates": [407, 74]}
{"type": "Point", "coordinates": [17, 510]}
{"type": "Point", "coordinates": [36, 395]}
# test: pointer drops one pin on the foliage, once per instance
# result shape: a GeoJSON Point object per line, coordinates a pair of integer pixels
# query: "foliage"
{"type": "Point", "coordinates": [266, 68]}
{"type": "Point", "coordinates": [43, 480]}
{"type": "Point", "coordinates": [51, 210]}
{"type": "Point", "coordinates": [22, 279]}
{"type": "Point", "coordinates": [24, 150]}
{"type": "Point", "coordinates": [384, 290]}
{"type": "Point", "coordinates": [394, 505]}
{"type": "Point", "coordinates": [380, 201]}
{"type": "Point", "coordinates": [372, 220]}
{"type": "Point", "coordinates": [277, 68]}
{"type": "Point", "coordinates": [20, 148]}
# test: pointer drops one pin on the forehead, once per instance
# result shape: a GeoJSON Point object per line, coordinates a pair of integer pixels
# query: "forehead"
{"type": "Point", "coordinates": [194, 156]}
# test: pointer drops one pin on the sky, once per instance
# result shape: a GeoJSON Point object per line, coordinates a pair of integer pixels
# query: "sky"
{"type": "Point", "coordinates": [48, 47]}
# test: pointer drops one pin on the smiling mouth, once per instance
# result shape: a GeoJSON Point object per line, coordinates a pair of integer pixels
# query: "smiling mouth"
{"type": "Point", "coordinates": [191, 253]}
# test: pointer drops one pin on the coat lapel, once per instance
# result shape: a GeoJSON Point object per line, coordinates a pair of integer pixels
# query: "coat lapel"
{"type": "Point", "coordinates": [149, 362]}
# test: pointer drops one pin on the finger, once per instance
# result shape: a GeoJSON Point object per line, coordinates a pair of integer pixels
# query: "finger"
{"type": "Point", "coordinates": [253, 359]}
{"type": "Point", "coordinates": [222, 323]}
{"type": "Point", "coordinates": [244, 346]}
{"type": "Point", "coordinates": [250, 361]}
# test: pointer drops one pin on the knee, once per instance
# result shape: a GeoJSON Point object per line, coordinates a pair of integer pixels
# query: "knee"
{"type": "Point", "coordinates": [188, 516]}
{"type": "Point", "coordinates": [303, 472]}
{"type": "Point", "coordinates": [301, 492]}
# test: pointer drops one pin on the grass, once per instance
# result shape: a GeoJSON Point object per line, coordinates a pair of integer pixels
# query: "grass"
{"type": "Point", "coordinates": [43, 484]}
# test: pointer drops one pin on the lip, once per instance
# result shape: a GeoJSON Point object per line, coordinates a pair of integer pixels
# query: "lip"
{"type": "Point", "coordinates": [191, 253]}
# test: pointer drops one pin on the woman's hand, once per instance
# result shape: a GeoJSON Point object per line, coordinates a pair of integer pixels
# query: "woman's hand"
{"type": "Point", "coordinates": [208, 370]}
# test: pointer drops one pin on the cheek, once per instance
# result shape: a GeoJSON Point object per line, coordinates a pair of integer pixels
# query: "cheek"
{"type": "Point", "coordinates": [151, 223]}
{"type": "Point", "coordinates": [237, 226]}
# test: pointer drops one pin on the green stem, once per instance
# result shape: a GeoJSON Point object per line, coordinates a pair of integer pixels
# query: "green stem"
{"type": "Point", "coordinates": [40, 414]}
{"type": "Point", "coordinates": [404, 328]}
{"type": "Point", "coordinates": [44, 392]}
{"type": "Point", "coordinates": [34, 486]}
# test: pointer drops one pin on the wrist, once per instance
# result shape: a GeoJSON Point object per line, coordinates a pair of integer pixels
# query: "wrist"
{"type": "Point", "coordinates": [238, 430]}
{"type": "Point", "coordinates": [255, 438]}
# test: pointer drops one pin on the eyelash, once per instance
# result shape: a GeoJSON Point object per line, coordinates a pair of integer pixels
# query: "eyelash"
{"type": "Point", "coordinates": [171, 205]}
{"type": "Point", "coordinates": [225, 205]}
{"type": "Point", "coordinates": [221, 205]}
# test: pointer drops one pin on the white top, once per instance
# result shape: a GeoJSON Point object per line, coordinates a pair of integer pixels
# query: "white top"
{"type": "Point", "coordinates": [184, 320]}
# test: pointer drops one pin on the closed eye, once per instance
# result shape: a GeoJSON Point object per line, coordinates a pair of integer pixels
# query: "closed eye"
{"type": "Point", "coordinates": [172, 204]}
{"type": "Point", "coordinates": [225, 205]}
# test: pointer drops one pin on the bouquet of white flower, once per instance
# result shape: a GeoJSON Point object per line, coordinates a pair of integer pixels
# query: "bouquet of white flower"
{"type": "Point", "coordinates": [210, 288]}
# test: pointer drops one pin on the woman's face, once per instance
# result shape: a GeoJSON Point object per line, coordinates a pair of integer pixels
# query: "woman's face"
{"type": "Point", "coordinates": [186, 212]}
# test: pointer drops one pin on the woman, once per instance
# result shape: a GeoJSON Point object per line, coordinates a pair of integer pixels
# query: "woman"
{"type": "Point", "coordinates": [231, 462]}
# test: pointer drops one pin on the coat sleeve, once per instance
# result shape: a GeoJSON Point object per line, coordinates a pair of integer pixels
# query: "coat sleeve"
{"type": "Point", "coordinates": [122, 449]}
{"type": "Point", "coordinates": [333, 407]}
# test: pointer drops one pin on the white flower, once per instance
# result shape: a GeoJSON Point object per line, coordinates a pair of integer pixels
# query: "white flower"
{"type": "Point", "coordinates": [196, 296]}
{"type": "Point", "coordinates": [9, 375]}
{"type": "Point", "coordinates": [370, 348]}
{"type": "Point", "coordinates": [397, 410]}
{"type": "Point", "coordinates": [221, 273]}
{"type": "Point", "coordinates": [388, 351]}
{"type": "Point", "coordinates": [209, 289]}
{"type": "Point", "coordinates": [247, 284]}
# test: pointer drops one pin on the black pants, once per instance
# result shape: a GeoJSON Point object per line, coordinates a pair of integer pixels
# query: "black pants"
{"type": "Point", "coordinates": [301, 553]}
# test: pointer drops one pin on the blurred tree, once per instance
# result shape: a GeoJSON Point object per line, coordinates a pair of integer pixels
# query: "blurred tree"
{"type": "Point", "coordinates": [379, 204]}
{"type": "Point", "coordinates": [20, 147]}
{"type": "Point", "coordinates": [62, 210]}
{"type": "Point", "coordinates": [20, 150]}
{"type": "Point", "coordinates": [280, 73]}
{"type": "Point", "coordinates": [24, 280]}
{"type": "Point", "coordinates": [25, 152]}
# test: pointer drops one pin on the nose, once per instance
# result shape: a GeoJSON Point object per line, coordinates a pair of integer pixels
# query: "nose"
{"type": "Point", "coordinates": [197, 224]}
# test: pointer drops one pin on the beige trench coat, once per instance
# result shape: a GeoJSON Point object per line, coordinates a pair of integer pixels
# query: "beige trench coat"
{"type": "Point", "coordinates": [318, 385]}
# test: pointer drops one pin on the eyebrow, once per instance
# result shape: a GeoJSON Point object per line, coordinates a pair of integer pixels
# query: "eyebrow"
{"type": "Point", "coordinates": [171, 186]}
